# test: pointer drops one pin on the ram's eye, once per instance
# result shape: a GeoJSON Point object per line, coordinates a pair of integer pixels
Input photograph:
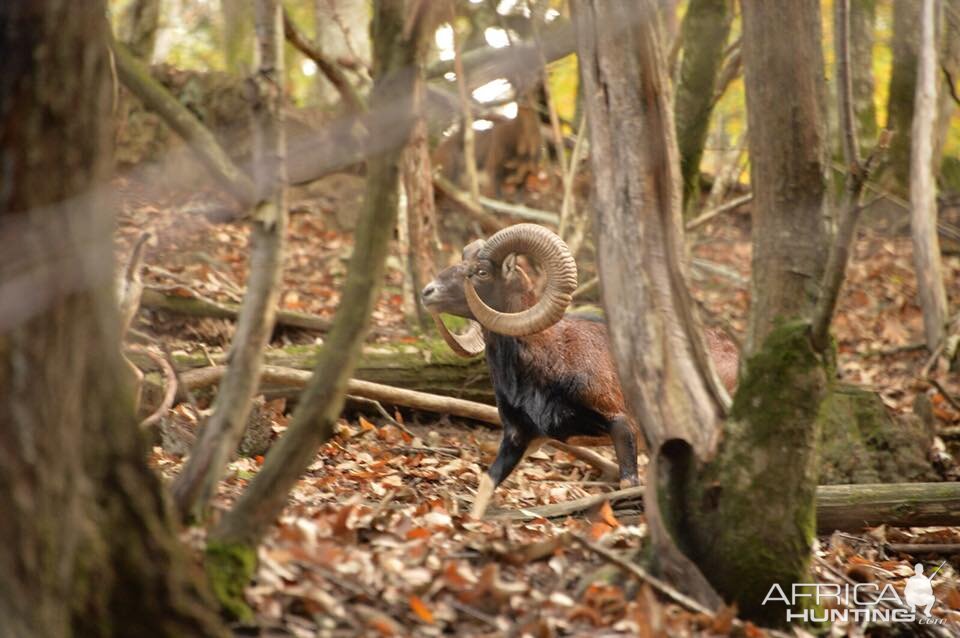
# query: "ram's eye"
{"type": "Point", "coordinates": [482, 272]}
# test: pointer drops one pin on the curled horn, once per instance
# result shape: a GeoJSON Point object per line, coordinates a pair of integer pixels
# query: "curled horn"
{"type": "Point", "coordinates": [558, 263]}
{"type": "Point", "coordinates": [468, 344]}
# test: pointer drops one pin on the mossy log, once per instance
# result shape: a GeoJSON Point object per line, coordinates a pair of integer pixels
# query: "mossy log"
{"type": "Point", "coordinates": [425, 365]}
{"type": "Point", "coordinates": [839, 507]}
{"type": "Point", "coordinates": [853, 507]}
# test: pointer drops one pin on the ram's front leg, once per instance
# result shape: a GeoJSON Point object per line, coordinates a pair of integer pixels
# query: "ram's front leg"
{"type": "Point", "coordinates": [512, 448]}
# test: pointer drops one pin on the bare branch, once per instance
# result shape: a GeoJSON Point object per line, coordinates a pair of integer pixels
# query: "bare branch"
{"type": "Point", "coordinates": [328, 67]}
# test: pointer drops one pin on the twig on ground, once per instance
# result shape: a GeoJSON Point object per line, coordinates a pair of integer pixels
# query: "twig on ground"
{"type": "Point", "coordinates": [884, 352]}
{"type": "Point", "coordinates": [932, 361]}
{"type": "Point", "coordinates": [608, 470]}
{"type": "Point", "coordinates": [187, 392]}
{"type": "Point", "coordinates": [474, 613]}
{"type": "Point", "coordinates": [521, 211]}
{"type": "Point", "coordinates": [376, 405]}
{"type": "Point", "coordinates": [170, 393]}
{"type": "Point", "coordinates": [943, 392]}
{"type": "Point", "coordinates": [487, 221]}
{"type": "Point", "coordinates": [642, 574]}
{"type": "Point", "coordinates": [445, 451]}
{"type": "Point", "coordinates": [719, 270]}
{"type": "Point", "coordinates": [706, 216]}
{"type": "Point", "coordinates": [567, 508]}
{"type": "Point", "coordinates": [586, 287]}
{"type": "Point", "coordinates": [924, 548]}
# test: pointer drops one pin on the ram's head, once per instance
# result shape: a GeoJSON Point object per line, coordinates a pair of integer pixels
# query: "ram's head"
{"type": "Point", "coordinates": [488, 287]}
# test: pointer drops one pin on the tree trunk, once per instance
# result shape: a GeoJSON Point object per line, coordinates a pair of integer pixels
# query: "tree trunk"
{"type": "Point", "coordinates": [706, 26]}
{"type": "Point", "coordinates": [665, 372]}
{"type": "Point", "coordinates": [197, 483]}
{"type": "Point", "coordinates": [923, 189]}
{"type": "Point", "coordinates": [950, 62]}
{"type": "Point", "coordinates": [421, 213]}
{"type": "Point", "coordinates": [88, 546]}
{"type": "Point", "coordinates": [232, 548]}
{"type": "Point", "coordinates": [788, 160]}
{"type": "Point", "coordinates": [863, 17]}
{"type": "Point", "coordinates": [138, 28]}
{"type": "Point", "coordinates": [903, 89]}
{"type": "Point", "coordinates": [703, 496]}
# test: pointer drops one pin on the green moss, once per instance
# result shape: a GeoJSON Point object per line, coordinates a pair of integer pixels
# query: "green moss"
{"type": "Point", "coordinates": [767, 397]}
{"type": "Point", "coordinates": [230, 567]}
{"type": "Point", "coordinates": [751, 512]}
{"type": "Point", "coordinates": [860, 442]}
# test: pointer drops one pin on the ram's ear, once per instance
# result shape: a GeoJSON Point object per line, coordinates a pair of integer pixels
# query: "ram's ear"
{"type": "Point", "coordinates": [509, 266]}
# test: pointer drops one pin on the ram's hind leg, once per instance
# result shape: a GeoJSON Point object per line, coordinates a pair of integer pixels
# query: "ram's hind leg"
{"type": "Point", "coordinates": [625, 445]}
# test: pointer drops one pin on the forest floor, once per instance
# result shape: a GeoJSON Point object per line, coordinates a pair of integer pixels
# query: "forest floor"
{"type": "Point", "coordinates": [375, 539]}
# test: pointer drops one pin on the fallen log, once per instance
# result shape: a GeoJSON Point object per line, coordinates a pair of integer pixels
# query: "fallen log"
{"type": "Point", "coordinates": [839, 507]}
{"type": "Point", "coordinates": [424, 365]}
{"type": "Point", "coordinates": [852, 507]}
{"type": "Point", "coordinates": [200, 307]}
{"type": "Point", "coordinates": [290, 377]}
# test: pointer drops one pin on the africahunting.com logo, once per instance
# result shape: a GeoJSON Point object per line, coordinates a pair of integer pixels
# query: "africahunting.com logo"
{"type": "Point", "coordinates": [860, 602]}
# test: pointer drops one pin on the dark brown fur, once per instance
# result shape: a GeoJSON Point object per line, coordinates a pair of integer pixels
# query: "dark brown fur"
{"type": "Point", "coordinates": [559, 383]}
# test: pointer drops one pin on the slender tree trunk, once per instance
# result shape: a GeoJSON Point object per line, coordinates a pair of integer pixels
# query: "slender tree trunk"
{"type": "Point", "coordinates": [706, 27]}
{"type": "Point", "coordinates": [88, 545]}
{"type": "Point", "coordinates": [863, 18]}
{"type": "Point", "coordinates": [198, 480]}
{"type": "Point", "coordinates": [788, 160]}
{"type": "Point", "coordinates": [138, 28]}
{"type": "Point", "coordinates": [950, 62]}
{"type": "Point", "coordinates": [903, 89]}
{"type": "Point", "coordinates": [923, 189]}
{"type": "Point", "coordinates": [421, 212]}
{"type": "Point", "coordinates": [231, 551]}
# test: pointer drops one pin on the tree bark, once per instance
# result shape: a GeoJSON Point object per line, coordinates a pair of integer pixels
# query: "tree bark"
{"type": "Point", "coordinates": [421, 219]}
{"type": "Point", "coordinates": [923, 189]}
{"type": "Point", "coordinates": [855, 507]}
{"type": "Point", "coordinates": [788, 160]}
{"type": "Point", "coordinates": [949, 46]}
{"type": "Point", "coordinates": [88, 545]}
{"type": "Point", "coordinates": [231, 550]}
{"type": "Point", "coordinates": [903, 90]}
{"type": "Point", "coordinates": [197, 482]}
{"type": "Point", "coordinates": [703, 497]}
{"type": "Point", "coordinates": [666, 375]}
{"type": "Point", "coordinates": [706, 27]}
{"type": "Point", "coordinates": [138, 28]}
